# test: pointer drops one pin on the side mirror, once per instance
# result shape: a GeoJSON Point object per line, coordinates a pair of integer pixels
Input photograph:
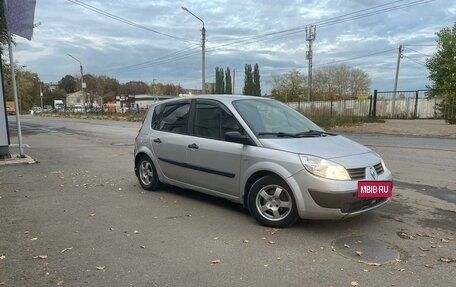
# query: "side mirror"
{"type": "Point", "coordinates": [236, 137]}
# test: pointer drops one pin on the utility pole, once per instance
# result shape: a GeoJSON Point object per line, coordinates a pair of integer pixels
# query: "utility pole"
{"type": "Point", "coordinates": [393, 102]}
{"type": "Point", "coordinates": [310, 37]}
{"type": "Point", "coordinates": [82, 83]}
{"type": "Point", "coordinates": [203, 45]}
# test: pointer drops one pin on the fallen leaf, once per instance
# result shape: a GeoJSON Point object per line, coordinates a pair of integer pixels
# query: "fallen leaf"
{"type": "Point", "coordinates": [26, 232]}
{"type": "Point", "coordinates": [434, 246]}
{"type": "Point", "coordinates": [2, 283]}
{"type": "Point", "coordinates": [110, 228]}
{"type": "Point", "coordinates": [423, 255]}
{"type": "Point", "coordinates": [354, 283]}
{"type": "Point", "coordinates": [92, 214]}
{"type": "Point", "coordinates": [401, 270]}
{"type": "Point", "coordinates": [366, 270]}
{"type": "Point", "coordinates": [34, 238]}
{"type": "Point", "coordinates": [444, 240]}
{"type": "Point", "coordinates": [359, 253]}
{"type": "Point", "coordinates": [447, 259]}
{"type": "Point", "coordinates": [278, 258]}
{"type": "Point", "coordinates": [263, 238]}
{"type": "Point", "coordinates": [265, 265]}
{"type": "Point", "coordinates": [333, 248]}
{"type": "Point", "coordinates": [100, 267]}
{"type": "Point", "coordinates": [215, 238]}
{"type": "Point", "coordinates": [245, 241]}
{"type": "Point", "coordinates": [374, 264]}
{"type": "Point", "coordinates": [359, 241]}
{"type": "Point", "coordinates": [216, 261]}
{"type": "Point", "coordinates": [346, 246]}
{"type": "Point", "coordinates": [142, 246]}
{"type": "Point", "coordinates": [407, 236]}
{"type": "Point", "coordinates": [66, 249]}
{"type": "Point", "coordinates": [59, 283]}
{"type": "Point", "coordinates": [40, 257]}
{"type": "Point", "coordinates": [271, 242]}
{"type": "Point", "coordinates": [424, 249]}
{"type": "Point", "coordinates": [2, 257]}
{"type": "Point", "coordinates": [136, 232]}
{"type": "Point", "coordinates": [429, 265]}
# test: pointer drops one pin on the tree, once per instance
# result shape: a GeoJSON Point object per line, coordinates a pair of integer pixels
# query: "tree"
{"type": "Point", "coordinates": [248, 80]}
{"type": "Point", "coordinates": [68, 84]}
{"type": "Point", "coordinates": [219, 81]}
{"type": "Point", "coordinates": [341, 81]}
{"type": "Point", "coordinates": [228, 83]}
{"type": "Point", "coordinates": [28, 87]}
{"type": "Point", "coordinates": [442, 72]}
{"type": "Point", "coordinates": [134, 88]}
{"type": "Point", "coordinates": [3, 31]}
{"type": "Point", "coordinates": [289, 87]}
{"type": "Point", "coordinates": [256, 81]}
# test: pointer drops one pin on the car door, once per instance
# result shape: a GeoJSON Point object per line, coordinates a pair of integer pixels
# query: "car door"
{"type": "Point", "coordinates": [169, 139]}
{"type": "Point", "coordinates": [213, 163]}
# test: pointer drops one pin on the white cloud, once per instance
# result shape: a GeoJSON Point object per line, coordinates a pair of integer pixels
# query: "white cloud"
{"type": "Point", "coordinates": [103, 44]}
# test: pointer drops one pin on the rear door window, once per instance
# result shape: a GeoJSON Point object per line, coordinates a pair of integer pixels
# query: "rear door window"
{"type": "Point", "coordinates": [173, 117]}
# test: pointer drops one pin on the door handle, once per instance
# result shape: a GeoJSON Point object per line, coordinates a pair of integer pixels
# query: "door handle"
{"type": "Point", "coordinates": [157, 140]}
{"type": "Point", "coordinates": [193, 146]}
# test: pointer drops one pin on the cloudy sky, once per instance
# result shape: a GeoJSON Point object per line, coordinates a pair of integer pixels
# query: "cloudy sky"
{"type": "Point", "coordinates": [147, 39]}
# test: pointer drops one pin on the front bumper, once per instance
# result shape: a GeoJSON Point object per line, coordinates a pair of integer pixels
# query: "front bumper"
{"type": "Point", "coordinates": [320, 198]}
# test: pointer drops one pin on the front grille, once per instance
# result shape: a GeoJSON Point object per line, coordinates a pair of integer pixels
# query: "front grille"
{"type": "Point", "coordinates": [379, 168]}
{"type": "Point", "coordinates": [360, 173]}
{"type": "Point", "coordinates": [357, 173]}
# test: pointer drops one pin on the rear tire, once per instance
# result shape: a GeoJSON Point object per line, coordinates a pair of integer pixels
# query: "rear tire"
{"type": "Point", "coordinates": [272, 203]}
{"type": "Point", "coordinates": [147, 174]}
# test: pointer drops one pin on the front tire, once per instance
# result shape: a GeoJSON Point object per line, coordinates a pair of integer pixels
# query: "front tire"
{"type": "Point", "coordinates": [271, 202]}
{"type": "Point", "coordinates": [147, 174]}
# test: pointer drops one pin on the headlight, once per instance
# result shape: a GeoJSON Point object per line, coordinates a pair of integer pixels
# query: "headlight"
{"type": "Point", "coordinates": [324, 168]}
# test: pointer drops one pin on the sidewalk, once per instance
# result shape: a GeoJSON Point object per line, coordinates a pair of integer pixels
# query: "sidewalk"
{"type": "Point", "coordinates": [16, 159]}
{"type": "Point", "coordinates": [428, 128]}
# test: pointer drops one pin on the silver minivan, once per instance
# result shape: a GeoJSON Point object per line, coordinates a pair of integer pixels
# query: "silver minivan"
{"type": "Point", "coordinates": [260, 153]}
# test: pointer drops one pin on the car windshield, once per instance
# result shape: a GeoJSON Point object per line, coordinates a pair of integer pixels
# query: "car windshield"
{"type": "Point", "coordinates": [271, 119]}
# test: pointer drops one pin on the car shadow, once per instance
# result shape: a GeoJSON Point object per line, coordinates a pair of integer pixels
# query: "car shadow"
{"type": "Point", "coordinates": [342, 226]}
{"type": "Point", "coordinates": [206, 198]}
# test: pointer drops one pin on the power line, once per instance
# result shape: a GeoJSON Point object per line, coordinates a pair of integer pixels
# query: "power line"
{"type": "Point", "coordinates": [355, 58]}
{"type": "Point", "coordinates": [418, 52]}
{"type": "Point", "coordinates": [416, 61]}
{"type": "Point", "coordinates": [332, 21]}
{"type": "Point", "coordinates": [125, 21]}
{"type": "Point", "coordinates": [285, 33]}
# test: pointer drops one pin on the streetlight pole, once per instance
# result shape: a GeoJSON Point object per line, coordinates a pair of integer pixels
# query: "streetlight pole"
{"type": "Point", "coordinates": [82, 83]}
{"type": "Point", "coordinates": [203, 45]}
{"type": "Point", "coordinates": [153, 90]}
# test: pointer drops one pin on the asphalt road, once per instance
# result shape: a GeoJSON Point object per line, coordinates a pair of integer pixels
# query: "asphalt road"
{"type": "Point", "coordinates": [80, 218]}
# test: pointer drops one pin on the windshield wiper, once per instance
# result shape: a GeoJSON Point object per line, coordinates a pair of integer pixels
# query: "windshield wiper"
{"type": "Point", "coordinates": [314, 133]}
{"type": "Point", "coordinates": [278, 134]}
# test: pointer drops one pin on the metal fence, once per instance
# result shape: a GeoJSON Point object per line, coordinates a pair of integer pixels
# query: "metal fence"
{"type": "Point", "coordinates": [383, 104]}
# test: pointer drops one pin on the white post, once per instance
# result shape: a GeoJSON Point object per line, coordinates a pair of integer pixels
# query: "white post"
{"type": "Point", "coordinates": [13, 80]}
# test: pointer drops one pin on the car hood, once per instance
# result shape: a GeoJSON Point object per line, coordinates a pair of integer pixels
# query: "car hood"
{"type": "Point", "coordinates": [328, 147]}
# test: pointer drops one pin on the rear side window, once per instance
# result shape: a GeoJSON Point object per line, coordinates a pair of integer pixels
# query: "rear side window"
{"type": "Point", "coordinates": [172, 117]}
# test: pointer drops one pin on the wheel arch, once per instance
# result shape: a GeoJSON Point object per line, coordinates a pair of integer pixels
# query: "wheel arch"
{"type": "Point", "coordinates": [252, 179]}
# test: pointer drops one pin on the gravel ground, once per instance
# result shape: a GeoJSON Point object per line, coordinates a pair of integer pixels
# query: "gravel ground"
{"type": "Point", "coordinates": [428, 128]}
